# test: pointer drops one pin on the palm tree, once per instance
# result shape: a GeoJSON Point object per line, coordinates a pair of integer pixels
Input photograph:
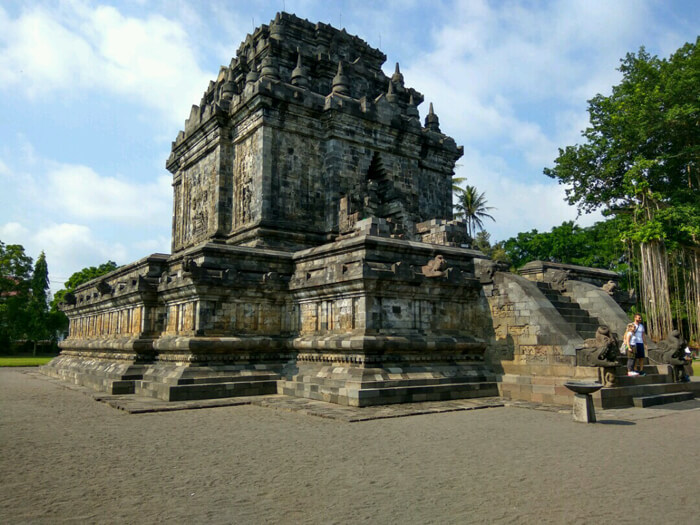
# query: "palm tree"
{"type": "Point", "coordinates": [471, 206]}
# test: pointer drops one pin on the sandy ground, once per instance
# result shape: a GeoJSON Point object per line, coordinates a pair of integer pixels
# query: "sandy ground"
{"type": "Point", "coordinates": [69, 459]}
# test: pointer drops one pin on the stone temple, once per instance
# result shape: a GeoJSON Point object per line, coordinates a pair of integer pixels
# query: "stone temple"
{"type": "Point", "coordinates": [314, 254]}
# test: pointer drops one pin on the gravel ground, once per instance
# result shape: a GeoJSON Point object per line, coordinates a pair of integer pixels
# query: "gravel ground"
{"type": "Point", "coordinates": [69, 459]}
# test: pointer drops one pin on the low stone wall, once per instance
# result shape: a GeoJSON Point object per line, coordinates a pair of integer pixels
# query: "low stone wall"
{"type": "Point", "coordinates": [543, 271]}
{"type": "Point", "coordinates": [541, 384]}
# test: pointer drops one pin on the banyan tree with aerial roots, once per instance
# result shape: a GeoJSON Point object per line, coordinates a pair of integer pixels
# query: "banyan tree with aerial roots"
{"type": "Point", "coordinates": [640, 162]}
{"type": "Point", "coordinates": [669, 288]}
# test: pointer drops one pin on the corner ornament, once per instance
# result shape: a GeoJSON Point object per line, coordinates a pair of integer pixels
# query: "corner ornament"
{"type": "Point", "coordinates": [436, 267]}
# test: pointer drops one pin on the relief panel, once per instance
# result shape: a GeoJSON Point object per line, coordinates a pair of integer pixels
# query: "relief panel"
{"type": "Point", "coordinates": [195, 202]}
{"type": "Point", "coordinates": [247, 167]}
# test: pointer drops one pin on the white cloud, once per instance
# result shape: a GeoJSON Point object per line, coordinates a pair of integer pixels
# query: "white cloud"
{"type": "Point", "coordinates": [79, 217]}
{"type": "Point", "coordinates": [78, 47]}
{"type": "Point", "coordinates": [11, 232]}
{"type": "Point", "coordinates": [80, 192]}
{"type": "Point", "coordinates": [71, 247]}
{"type": "Point", "coordinates": [68, 247]}
{"type": "Point", "coordinates": [161, 244]}
{"type": "Point", "coordinates": [67, 238]}
{"type": "Point", "coordinates": [500, 73]}
{"type": "Point", "coordinates": [518, 205]}
{"type": "Point", "coordinates": [512, 79]}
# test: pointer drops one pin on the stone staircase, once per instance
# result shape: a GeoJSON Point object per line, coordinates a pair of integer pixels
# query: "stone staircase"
{"type": "Point", "coordinates": [388, 392]}
{"type": "Point", "coordinates": [663, 399]}
{"type": "Point", "coordinates": [572, 313]}
{"type": "Point", "coordinates": [654, 388]}
{"type": "Point", "coordinates": [197, 388]}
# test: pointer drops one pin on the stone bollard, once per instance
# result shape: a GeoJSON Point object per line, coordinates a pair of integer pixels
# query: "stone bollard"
{"type": "Point", "coordinates": [583, 410]}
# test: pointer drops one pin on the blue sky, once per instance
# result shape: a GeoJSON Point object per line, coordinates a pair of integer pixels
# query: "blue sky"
{"type": "Point", "coordinates": [93, 93]}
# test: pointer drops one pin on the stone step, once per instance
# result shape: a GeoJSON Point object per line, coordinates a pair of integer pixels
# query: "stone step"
{"type": "Point", "coordinates": [662, 399]}
{"type": "Point", "coordinates": [564, 307]}
{"type": "Point", "coordinates": [205, 390]}
{"type": "Point", "coordinates": [427, 392]}
{"type": "Point", "coordinates": [227, 379]}
{"type": "Point", "coordinates": [649, 379]}
{"type": "Point", "coordinates": [389, 395]}
{"type": "Point", "coordinates": [399, 383]}
{"type": "Point", "coordinates": [587, 327]}
{"type": "Point", "coordinates": [648, 369]}
{"type": "Point", "coordinates": [623, 396]}
{"type": "Point", "coordinates": [553, 294]}
{"type": "Point", "coordinates": [556, 297]}
{"type": "Point", "coordinates": [572, 308]}
{"type": "Point", "coordinates": [576, 316]}
{"type": "Point", "coordinates": [574, 312]}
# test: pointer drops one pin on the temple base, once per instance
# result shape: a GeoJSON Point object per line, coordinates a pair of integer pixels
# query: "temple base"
{"type": "Point", "coordinates": [178, 382]}
{"type": "Point", "coordinates": [103, 375]}
{"type": "Point", "coordinates": [345, 384]}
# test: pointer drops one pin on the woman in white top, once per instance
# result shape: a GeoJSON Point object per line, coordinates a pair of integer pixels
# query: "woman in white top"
{"type": "Point", "coordinates": [631, 349]}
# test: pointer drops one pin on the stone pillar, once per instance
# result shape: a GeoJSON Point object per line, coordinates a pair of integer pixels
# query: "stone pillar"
{"type": "Point", "coordinates": [584, 411]}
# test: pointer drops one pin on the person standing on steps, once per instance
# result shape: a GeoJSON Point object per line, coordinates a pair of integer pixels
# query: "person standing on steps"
{"type": "Point", "coordinates": [639, 337]}
{"type": "Point", "coordinates": [631, 349]}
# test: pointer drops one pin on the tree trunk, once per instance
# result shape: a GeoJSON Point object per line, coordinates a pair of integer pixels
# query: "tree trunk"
{"type": "Point", "coordinates": [691, 259]}
{"type": "Point", "coordinates": [655, 289]}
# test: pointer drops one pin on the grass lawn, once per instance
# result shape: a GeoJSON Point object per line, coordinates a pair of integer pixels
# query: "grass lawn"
{"type": "Point", "coordinates": [25, 360]}
{"type": "Point", "coordinates": [696, 368]}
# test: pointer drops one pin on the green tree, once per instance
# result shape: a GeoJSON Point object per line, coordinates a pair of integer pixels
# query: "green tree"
{"type": "Point", "coordinates": [496, 252]}
{"type": "Point", "coordinates": [641, 152]}
{"type": "Point", "coordinates": [58, 319]}
{"type": "Point", "coordinates": [40, 282]}
{"type": "Point", "coordinates": [81, 277]}
{"type": "Point", "coordinates": [15, 286]}
{"type": "Point", "coordinates": [15, 268]}
{"type": "Point", "coordinates": [482, 241]}
{"type": "Point", "coordinates": [471, 206]}
{"type": "Point", "coordinates": [38, 305]}
{"type": "Point", "coordinates": [597, 246]}
{"type": "Point", "coordinates": [639, 161]}
{"type": "Point", "coordinates": [456, 181]}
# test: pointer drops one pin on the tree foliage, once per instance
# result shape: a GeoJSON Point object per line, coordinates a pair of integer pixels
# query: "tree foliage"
{"type": "Point", "coordinates": [15, 268]}
{"type": "Point", "coordinates": [597, 246]}
{"type": "Point", "coordinates": [640, 161]}
{"type": "Point", "coordinates": [38, 322]}
{"type": "Point", "coordinates": [471, 206]}
{"type": "Point", "coordinates": [641, 155]}
{"type": "Point", "coordinates": [496, 252]}
{"type": "Point", "coordinates": [24, 296]}
{"type": "Point", "coordinates": [81, 277]}
{"type": "Point", "coordinates": [15, 287]}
